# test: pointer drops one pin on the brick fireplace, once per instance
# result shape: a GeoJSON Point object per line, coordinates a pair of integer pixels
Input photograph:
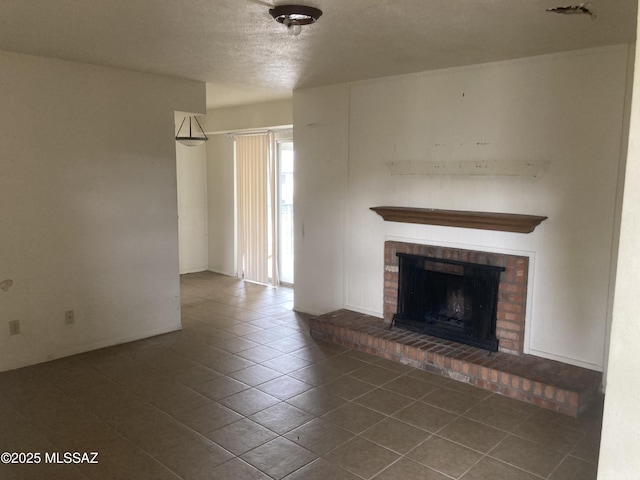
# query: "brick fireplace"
{"type": "Point", "coordinates": [512, 291]}
{"type": "Point", "coordinates": [547, 383]}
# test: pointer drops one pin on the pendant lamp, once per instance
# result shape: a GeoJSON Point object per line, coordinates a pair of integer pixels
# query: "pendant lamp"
{"type": "Point", "coordinates": [194, 138]}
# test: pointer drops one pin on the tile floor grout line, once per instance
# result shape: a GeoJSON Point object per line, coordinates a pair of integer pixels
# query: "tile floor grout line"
{"type": "Point", "coordinates": [208, 332]}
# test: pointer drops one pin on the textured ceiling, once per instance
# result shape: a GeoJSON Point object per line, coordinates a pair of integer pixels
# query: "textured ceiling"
{"type": "Point", "coordinates": [246, 56]}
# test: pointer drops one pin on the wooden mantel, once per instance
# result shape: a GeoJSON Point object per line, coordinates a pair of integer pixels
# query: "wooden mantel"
{"type": "Point", "coordinates": [504, 222]}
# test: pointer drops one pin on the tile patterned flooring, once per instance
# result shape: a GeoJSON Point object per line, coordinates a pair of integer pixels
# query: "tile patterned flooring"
{"type": "Point", "coordinates": [244, 392]}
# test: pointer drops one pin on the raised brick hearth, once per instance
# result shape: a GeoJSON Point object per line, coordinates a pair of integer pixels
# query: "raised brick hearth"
{"type": "Point", "coordinates": [553, 385]}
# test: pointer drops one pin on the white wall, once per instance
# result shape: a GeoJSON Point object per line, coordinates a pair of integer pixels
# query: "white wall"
{"type": "Point", "coordinates": [220, 171]}
{"type": "Point", "coordinates": [88, 205]}
{"type": "Point", "coordinates": [247, 117]}
{"type": "Point", "coordinates": [221, 207]}
{"type": "Point", "coordinates": [320, 137]}
{"type": "Point", "coordinates": [565, 109]}
{"type": "Point", "coordinates": [620, 442]}
{"type": "Point", "coordinates": [191, 163]}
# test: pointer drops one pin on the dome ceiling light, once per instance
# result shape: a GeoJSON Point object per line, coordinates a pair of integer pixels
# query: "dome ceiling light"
{"type": "Point", "coordinates": [295, 16]}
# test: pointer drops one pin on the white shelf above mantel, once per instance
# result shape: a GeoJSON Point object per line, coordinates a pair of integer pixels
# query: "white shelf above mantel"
{"type": "Point", "coordinates": [533, 169]}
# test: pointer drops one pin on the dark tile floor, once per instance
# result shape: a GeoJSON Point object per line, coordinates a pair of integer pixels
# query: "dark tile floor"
{"type": "Point", "coordinates": [243, 392]}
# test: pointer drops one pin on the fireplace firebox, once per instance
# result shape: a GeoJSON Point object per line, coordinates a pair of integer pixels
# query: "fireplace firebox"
{"type": "Point", "coordinates": [448, 299]}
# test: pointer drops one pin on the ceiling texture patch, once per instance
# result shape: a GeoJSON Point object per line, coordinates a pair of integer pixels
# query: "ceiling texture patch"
{"type": "Point", "coordinates": [573, 10]}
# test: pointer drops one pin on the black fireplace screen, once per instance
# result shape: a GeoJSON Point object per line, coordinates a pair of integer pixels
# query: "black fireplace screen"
{"type": "Point", "coordinates": [448, 299]}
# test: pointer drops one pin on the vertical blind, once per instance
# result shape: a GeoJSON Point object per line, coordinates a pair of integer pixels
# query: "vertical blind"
{"type": "Point", "coordinates": [256, 202]}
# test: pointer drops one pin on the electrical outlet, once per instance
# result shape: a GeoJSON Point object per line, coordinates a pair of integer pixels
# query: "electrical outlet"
{"type": "Point", "coordinates": [69, 317]}
{"type": "Point", "coordinates": [14, 327]}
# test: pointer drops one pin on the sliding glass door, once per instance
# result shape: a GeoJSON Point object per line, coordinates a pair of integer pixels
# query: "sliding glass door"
{"type": "Point", "coordinates": [264, 201]}
{"type": "Point", "coordinates": [285, 210]}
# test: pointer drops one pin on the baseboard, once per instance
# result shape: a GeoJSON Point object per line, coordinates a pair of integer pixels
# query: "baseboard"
{"type": "Point", "coordinates": [90, 347]}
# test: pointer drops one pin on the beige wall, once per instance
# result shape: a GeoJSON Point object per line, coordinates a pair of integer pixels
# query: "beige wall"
{"type": "Point", "coordinates": [564, 110]}
{"type": "Point", "coordinates": [191, 169]}
{"type": "Point", "coordinates": [248, 117]}
{"type": "Point", "coordinates": [221, 206]}
{"type": "Point", "coordinates": [320, 197]}
{"type": "Point", "coordinates": [619, 459]}
{"type": "Point", "coordinates": [88, 205]}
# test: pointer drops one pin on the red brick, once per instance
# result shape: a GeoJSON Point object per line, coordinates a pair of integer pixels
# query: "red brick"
{"type": "Point", "coordinates": [513, 288]}
{"type": "Point", "coordinates": [510, 272]}
{"type": "Point", "coordinates": [508, 325]}
{"type": "Point", "coordinates": [509, 288]}
{"type": "Point", "coordinates": [484, 361]}
{"type": "Point", "coordinates": [570, 411]}
{"type": "Point", "coordinates": [494, 376]}
{"type": "Point", "coordinates": [550, 405]}
{"type": "Point", "coordinates": [422, 356]}
{"type": "Point", "coordinates": [573, 399]}
{"type": "Point", "coordinates": [512, 307]}
{"type": "Point", "coordinates": [513, 317]}
{"type": "Point", "coordinates": [522, 396]}
{"type": "Point", "coordinates": [481, 384]}
{"type": "Point", "coordinates": [507, 334]}
{"type": "Point", "coordinates": [537, 401]}
{"type": "Point", "coordinates": [560, 395]}
{"type": "Point", "coordinates": [492, 386]}
{"type": "Point", "coordinates": [476, 356]}
{"type": "Point", "coordinates": [508, 344]}
{"type": "Point", "coordinates": [526, 385]}
{"type": "Point", "coordinates": [414, 354]}
{"type": "Point", "coordinates": [548, 391]}
{"type": "Point", "coordinates": [516, 298]}
{"type": "Point", "coordinates": [521, 268]}
{"type": "Point", "coordinates": [507, 391]}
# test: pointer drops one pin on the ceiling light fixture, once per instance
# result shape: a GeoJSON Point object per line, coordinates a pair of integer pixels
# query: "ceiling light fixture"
{"type": "Point", "coordinates": [191, 140]}
{"type": "Point", "coordinates": [295, 16]}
